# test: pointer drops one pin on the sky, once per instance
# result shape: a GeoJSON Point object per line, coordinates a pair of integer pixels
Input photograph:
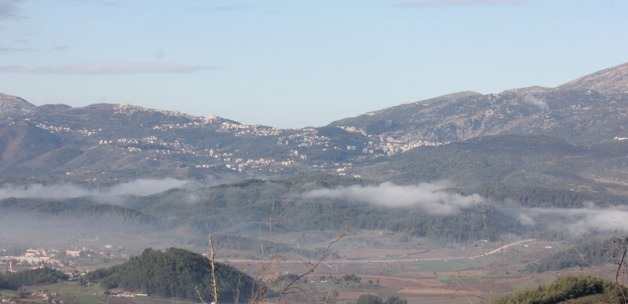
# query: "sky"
{"type": "Point", "coordinates": [290, 64]}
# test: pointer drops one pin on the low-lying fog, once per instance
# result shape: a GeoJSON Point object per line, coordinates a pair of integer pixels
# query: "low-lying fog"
{"type": "Point", "coordinates": [436, 199]}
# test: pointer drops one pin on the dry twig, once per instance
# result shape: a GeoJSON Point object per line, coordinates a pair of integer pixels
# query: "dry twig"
{"type": "Point", "coordinates": [312, 267]}
{"type": "Point", "coordinates": [212, 266]}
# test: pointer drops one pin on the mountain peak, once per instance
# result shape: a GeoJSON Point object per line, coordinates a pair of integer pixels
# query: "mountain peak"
{"type": "Point", "coordinates": [611, 80]}
{"type": "Point", "coordinates": [14, 105]}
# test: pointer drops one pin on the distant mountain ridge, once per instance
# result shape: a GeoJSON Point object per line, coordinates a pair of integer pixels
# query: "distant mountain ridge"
{"type": "Point", "coordinates": [12, 105]}
{"type": "Point", "coordinates": [611, 80]}
{"type": "Point", "coordinates": [108, 143]}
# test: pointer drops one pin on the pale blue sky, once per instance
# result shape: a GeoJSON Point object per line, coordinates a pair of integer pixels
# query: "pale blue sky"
{"type": "Point", "coordinates": [291, 63]}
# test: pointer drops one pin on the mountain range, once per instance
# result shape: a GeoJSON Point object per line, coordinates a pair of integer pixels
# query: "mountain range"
{"type": "Point", "coordinates": [110, 143]}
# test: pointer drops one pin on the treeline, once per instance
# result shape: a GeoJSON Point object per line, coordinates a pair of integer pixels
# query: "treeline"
{"type": "Point", "coordinates": [75, 208]}
{"type": "Point", "coordinates": [585, 254]}
{"type": "Point", "coordinates": [248, 206]}
{"type": "Point", "coordinates": [570, 288]}
{"type": "Point", "coordinates": [481, 222]}
{"type": "Point", "coordinates": [14, 281]}
{"type": "Point", "coordinates": [175, 273]}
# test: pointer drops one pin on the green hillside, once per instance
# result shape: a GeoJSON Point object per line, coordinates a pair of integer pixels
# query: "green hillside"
{"type": "Point", "coordinates": [174, 273]}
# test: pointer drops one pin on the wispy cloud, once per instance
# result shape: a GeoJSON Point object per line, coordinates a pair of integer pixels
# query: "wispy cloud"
{"type": "Point", "coordinates": [210, 7]}
{"type": "Point", "coordinates": [11, 49]}
{"type": "Point", "coordinates": [230, 7]}
{"type": "Point", "coordinates": [140, 187]}
{"type": "Point", "coordinates": [9, 8]}
{"type": "Point", "coordinates": [14, 50]}
{"type": "Point", "coordinates": [437, 3]}
{"type": "Point", "coordinates": [431, 198]}
{"type": "Point", "coordinates": [590, 218]}
{"type": "Point", "coordinates": [111, 3]}
{"type": "Point", "coordinates": [60, 48]}
{"type": "Point", "coordinates": [107, 69]}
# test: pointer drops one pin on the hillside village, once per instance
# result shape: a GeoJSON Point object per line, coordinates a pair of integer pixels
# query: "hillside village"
{"type": "Point", "coordinates": [68, 260]}
{"type": "Point", "coordinates": [164, 137]}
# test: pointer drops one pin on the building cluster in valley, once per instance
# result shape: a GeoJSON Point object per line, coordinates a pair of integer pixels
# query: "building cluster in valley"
{"type": "Point", "coordinates": [14, 260]}
{"type": "Point", "coordinates": [32, 258]}
{"type": "Point", "coordinates": [74, 262]}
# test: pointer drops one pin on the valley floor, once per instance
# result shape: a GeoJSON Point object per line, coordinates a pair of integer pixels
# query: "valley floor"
{"type": "Point", "coordinates": [374, 262]}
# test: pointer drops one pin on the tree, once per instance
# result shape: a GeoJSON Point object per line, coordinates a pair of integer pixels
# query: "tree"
{"type": "Point", "coordinates": [369, 299]}
{"type": "Point", "coordinates": [396, 300]}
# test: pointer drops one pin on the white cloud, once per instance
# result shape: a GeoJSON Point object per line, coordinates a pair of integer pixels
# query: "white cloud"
{"type": "Point", "coordinates": [431, 198]}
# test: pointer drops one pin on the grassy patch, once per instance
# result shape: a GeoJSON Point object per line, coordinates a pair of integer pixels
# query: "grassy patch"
{"type": "Point", "coordinates": [446, 266]}
{"type": "Point", "coordinates": [73, 293]}
{"type": "Point", "coordinates": [454, 279]}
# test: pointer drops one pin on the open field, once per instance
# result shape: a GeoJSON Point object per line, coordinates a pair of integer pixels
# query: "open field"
{"type": "Point", "coordinates": [422, 272]}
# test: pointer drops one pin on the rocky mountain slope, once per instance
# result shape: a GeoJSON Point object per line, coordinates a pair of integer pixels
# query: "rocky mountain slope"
{"type": "Point", "coordinates": [11, 105]}
{"type": "Point", "coordinates": [590, 110]}
{"type": "Point", "coordinates": [612, 80]}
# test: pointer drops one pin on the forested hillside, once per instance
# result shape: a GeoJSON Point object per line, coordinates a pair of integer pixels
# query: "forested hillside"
{"type": "Point", "coordinates": [175, 273]}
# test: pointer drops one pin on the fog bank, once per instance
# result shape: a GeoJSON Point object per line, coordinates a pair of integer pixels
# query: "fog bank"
{"type": "Point", "coordinates": [139, 187]}
{"type": "Point", "coordinates": [432, 198]}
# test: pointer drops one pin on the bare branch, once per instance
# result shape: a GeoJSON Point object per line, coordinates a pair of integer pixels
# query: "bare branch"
{"type": "Point", "coordinates": [200, 295]}
{"type": "Point", "coordinates": [313, 266]}
{"type": "Point", "coordinates": [621, 264]}
{"type": "Point", "coordinates": [212, 266]}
